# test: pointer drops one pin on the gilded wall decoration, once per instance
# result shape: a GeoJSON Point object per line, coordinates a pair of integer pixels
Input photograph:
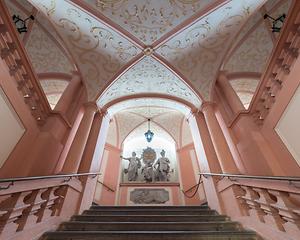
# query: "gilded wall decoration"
{"type": "Point", "coordinates": [253, 54]}
{"type": "Point", "coordinates": [149, 76]}
{"type": "Point", "coordinates": [100, 52]}
{"type": "Point", "coordinates": [44, 54]}
{"type": "Point", "coordinates": [197, 52]}
{"type": "Point", "coordinates": [148, 20]}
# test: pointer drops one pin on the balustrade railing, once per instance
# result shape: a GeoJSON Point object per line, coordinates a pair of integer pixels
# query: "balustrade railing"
{"type": "Point", "coordinates": [283, 57]}
{"type": "Point", "coordinates": [268, 204]}
{"type": "Point", "coordinates": [13, 53]}
{"type": "Point", "coordinates": [29, 206]}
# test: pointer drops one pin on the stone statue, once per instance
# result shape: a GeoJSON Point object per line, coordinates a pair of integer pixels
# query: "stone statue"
{"type": "Point", "coordinates": [148, 156]}
{"type": "Point", "coordinates": [133, 167]}
{"type": "Point", "coordinates": [162, 167]}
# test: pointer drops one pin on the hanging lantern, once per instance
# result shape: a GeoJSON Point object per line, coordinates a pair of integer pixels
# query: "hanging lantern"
{"type": "Point", "coordinates": [149, 134]}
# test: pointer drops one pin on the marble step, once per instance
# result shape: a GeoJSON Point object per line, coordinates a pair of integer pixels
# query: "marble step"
{"type": "Point", "coordinates": [150, 235]}
{"type": "Point", "coordinates": [150, 226]}
{"type": "Point", "coordinates": [150, 218]}
{"type": "Point", "coordinates": [150, 211]}
{"type": "Point", "coordinates": [145, 208]}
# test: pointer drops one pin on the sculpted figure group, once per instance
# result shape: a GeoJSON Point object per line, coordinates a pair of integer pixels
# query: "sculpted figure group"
{"type": "Point", "coordinates": [158, 171]}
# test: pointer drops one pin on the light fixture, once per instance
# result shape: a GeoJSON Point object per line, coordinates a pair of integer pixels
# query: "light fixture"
{"type": "Point", "coordinates": [149, 134]}
{"type": "Point", "coordinates": [20, 23]}
{"type": "Point", "coordinates": [277, 23]}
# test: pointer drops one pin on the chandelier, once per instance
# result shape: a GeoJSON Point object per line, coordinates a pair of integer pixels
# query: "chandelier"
{"type": "Point", "coordinates": [149, 134]}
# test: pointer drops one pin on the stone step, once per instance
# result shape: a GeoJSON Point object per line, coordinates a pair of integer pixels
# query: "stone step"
{"type": "Point", "coordinates": [143, 208]}
{"type": "Point", "coordinates": [150, 218]}
{"type": "Point", "coordinates": [150, 235]}
{"type": "Point", "coordinates": [150, 211]}
{"type": "Point", "coordinates": [150, 226]}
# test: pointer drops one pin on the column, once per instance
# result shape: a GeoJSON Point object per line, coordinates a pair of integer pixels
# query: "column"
{"type": "Point", "coordinates": [219, 142]}
{"type": "Point", "coordinates": [207, 158]}
{"type": "Point", "coordinates": [232, 98]}
{"type": "Point", "coordinates": [92, 157]}
{"type": "Point", "coordinates": [68, 95]}
{"type": "Point", "coordinates": [75, 154]}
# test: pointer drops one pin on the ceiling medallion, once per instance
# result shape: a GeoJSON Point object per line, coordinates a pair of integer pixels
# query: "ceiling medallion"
{"type": "Point", "coordinates": [148, 51]}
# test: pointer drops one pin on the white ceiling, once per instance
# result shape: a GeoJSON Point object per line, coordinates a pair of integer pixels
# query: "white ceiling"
{"type": "Point", "coordinates": [133, 122]}
{"type": "Point", "coordinates": [190, 37]}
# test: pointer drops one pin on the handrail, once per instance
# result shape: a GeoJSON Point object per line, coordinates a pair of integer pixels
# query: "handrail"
{"type": "Point", "coordinates": [276, 178]}
{"type": "Point", "coordinates": [18, 179]}
{"type": "Point", "coordinates": [104, 185]}
{"type": "Point", "coordinates": [197, 188]}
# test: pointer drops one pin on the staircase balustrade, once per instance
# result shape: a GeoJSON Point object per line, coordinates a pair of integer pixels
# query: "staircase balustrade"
{"type": "Point", "coordinates": [30, 206]}
{"type": "Point", "coordinates": [282, 59]}
{"type": "Point", "coordinates": [268, 205]}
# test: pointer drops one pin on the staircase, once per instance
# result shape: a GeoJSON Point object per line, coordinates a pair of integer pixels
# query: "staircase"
{"type": "Point", "coordinates": [150, 222]}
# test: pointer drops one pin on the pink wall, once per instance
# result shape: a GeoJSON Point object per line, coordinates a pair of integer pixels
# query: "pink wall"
{"type": "Point", "coordinates": [187, 172]}
{"type": "Point", "coordinates": [111, 176]}
{"type": "Point", "coordinates": [20, 155]}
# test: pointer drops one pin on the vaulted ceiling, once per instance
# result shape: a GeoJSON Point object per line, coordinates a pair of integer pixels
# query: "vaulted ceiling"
{"type": "Point", "coordinates": [165, 47]}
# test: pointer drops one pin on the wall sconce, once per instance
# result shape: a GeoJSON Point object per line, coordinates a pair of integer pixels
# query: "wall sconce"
{"type": "Point", "coordinates": [20, 23]}
{"type": "Point", "coordinates": [277, 23]}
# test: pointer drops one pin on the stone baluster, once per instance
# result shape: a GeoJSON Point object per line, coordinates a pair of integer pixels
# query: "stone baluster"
{"type": "Point", "coordinates": [60, 194]}
{"type": "Point", "coordinates": [266, 200]}
{"type": "Point", "coordinates": [289, 212]}
{"type": "Point", "coordinates": [239, 194]}
{"type": "Point", "coordinates": [251, 198]}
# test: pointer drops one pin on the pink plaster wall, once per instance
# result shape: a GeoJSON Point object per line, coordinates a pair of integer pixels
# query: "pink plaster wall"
{"type": "Point", "coordinates": [187, 172]}
{"type": "Point", "coordinates": [19, 156]}
{"type": "Point", "coordinates": [285, 160]}
{"type": "Point", "coordinates": [111, 176]}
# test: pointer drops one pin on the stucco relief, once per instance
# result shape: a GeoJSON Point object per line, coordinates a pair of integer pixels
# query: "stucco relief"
{"type": "Point", "coordinates": [197, 51]}
{"type": "Point", "coordinates": [173, 117]}
{"type": "Point", "coordinates": [44, 54]}
{"type": "Point", "coordinates": [149, 76]}
{"type": "Point", "coordinates": [100, 51]}
{"type": "Point", "coordinates": [53, 90]}
{"type": "Point", "coordinates": [149, 196]}
{"type": "Point", "coordinates": [142, 102]}
{"type": "Point", "coordinates": [127, 122]}
{"type": "Point", "coordinates": [245, 89]}
{"type": "Point", "coordinates": [149, 20]}
{"type": "Point", "coordinates": [149, 112]}
{"type": "Point", "coordinates": [253, 54]}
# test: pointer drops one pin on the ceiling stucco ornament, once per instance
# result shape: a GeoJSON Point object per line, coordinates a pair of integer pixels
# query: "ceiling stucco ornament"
{"type": "Point", "coordinates": [149, 76]}
{"type": "Point", "coordinates": [45, 54]}
{"type": "Point", "coordinates": [197, 52]}
{"type": "Point", "coordinates": [100, 51]}
{"type": "Point", "coordinates": [146, 102]}
{"type": "Point", "coordinates": [148, 20]}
